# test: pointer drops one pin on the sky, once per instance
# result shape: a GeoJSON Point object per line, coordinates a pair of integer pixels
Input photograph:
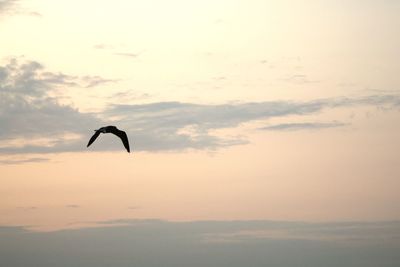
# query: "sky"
{"type": "Point", "coordinates": [237, 112]}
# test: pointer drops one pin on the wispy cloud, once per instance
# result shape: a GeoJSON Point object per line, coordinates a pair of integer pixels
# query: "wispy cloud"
{"type": "Point", "coordinates": [128, 95]}
{"type": "Point", "coordinates": [13, 7]}
{"type": "Point", "coordinates": [30, 77]}
{"type": "Point", "coordinates": [8, 6]}
{"type": "Point", "coordinates": [103, 46]}
{"type": "Point", "coordinates": [130, 55]}
{"type": "Point", "coordinates": [72, 206]}
{"type": "Point", "coordinates": [303, 126]}
{"type": "Point", "coordinates": [22, 161]}
{"type": "Point", "coordinates": [34, 122]}
{"type": "Point", "coordinates": [92, 81]}
{"type": "Point", "coordinates": [298, 79]}
{"type": "Point", "coordinates": [118, 49]}
{"type": "Point", "coordinates": [29, 208]}
{"type": "Point", "coordinates": [157, 126]}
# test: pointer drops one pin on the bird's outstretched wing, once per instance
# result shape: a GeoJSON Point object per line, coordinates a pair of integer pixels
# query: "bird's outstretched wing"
{"type": "Point", "coordinates": [124, 138]}
{"type": "Point", "coordinates": [96, 134]}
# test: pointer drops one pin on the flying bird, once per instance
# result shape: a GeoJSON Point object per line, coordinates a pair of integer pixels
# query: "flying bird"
{"type": "Point", "coordinates": [113, 130]}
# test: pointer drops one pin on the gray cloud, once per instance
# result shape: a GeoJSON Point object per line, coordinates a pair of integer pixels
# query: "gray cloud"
{"type": "Point", "coordinates": [119, 47]}
{"type": "Point", "coordinates": [298, 79]}
{"type": "Point", "coordinates": [92, 81]}
{"type": "Point", "coordinates": [30, 208]}
{"type": "Point", "coordinates": [27, 112]}
{"type": "Point", "coordinates": [156, 126]}
{"type": "Point", "coordinates": [7, 6]}
{"type": "Point", "coordinates": [344, 232]}
{"type": "Point", "coordinates": [22, 161]}
{"type": "Point", "coordinates": [303, 126]}
{"type": "Point", "coordinates": [31, 78]}
{"type": "Point", "coordinates": [129, 95]}
{"type": "Point", "coordinates": [72, 206]}
{"type": "Point", "coordinates": [248, 230]}
{"type": "Point", "coordinates": [12, 7]}
{"type": "Point", "coordinates": [145, 243]}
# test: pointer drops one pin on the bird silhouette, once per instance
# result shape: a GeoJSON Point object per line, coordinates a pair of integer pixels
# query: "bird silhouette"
{"type": "Point", "coordinates": [113, 130]}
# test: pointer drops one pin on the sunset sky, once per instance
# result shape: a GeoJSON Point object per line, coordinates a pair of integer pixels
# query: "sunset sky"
{"type": "Point", "coordinates": [241, 110]}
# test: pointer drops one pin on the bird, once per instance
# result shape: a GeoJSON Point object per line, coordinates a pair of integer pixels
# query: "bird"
{"type": "Point", "coordinates": [113, 130]}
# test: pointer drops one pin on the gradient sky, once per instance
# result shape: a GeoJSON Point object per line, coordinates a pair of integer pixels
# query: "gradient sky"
{"type": "Point", "coordinates": [236, 110]}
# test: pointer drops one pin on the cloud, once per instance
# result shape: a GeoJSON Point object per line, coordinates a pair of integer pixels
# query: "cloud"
{"type": "Point", "coordinates": [72, 206]}
{"type": "Point", "coordinates": [255, 230]}
{"type": "Point", "coordinates": [131, 55]}
{"type": "Point", "coordinates": [12, 7]}
{"type": "Point", "coordinates": [157, 126]}
{"type": "Point", "coordinates": [22, 161]}
{"type": "Point", "coordinates": [124, 243]}
{"type": "Point", "coordinates": [298, 79]}
{"type": "Point", "coordinates": [34, 121]}
{"type": "Point", "coordinates": [92, 81]}
{"type": "Point", "coordinates": [7, 6]}
{"type": "Point", "coordinates": [30, 208]}
{"type": "Point", "coordinates": [344, 232]}
{"type": "Point", "coordinates": [129, 95]}
{"type": "Point", "coordinates": [29, 114]}
{"type": "Point", "coordinates": [30, 77]}
{"type": "Point", "coordinates": [103, 46]}
{"type": "Point", "coordinates": [303, 126]}
{"type": "Point", "coordinates": [113, 47]}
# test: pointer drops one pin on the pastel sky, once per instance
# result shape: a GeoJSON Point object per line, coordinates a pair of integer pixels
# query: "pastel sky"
{"type": "Point", "coordinates": [264, 133]}
{"type": "Point", "coordinates": [236, 110]}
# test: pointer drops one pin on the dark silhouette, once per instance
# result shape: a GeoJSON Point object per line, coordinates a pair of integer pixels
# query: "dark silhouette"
{"type": "Point", "coordinates": [113, 130]}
